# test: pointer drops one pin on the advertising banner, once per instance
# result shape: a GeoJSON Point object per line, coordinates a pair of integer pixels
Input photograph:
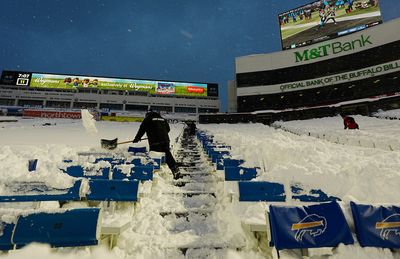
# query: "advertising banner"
{"type": "Point", "coordinates": [321, 225]}
{"type": "Point", "coordinates": [326, 19]}
{"type": "Point", "coordinates": [41, 80]}
{"type": "Point", "coordinates": [51, 114]}
{"type": "Point", "coordinates": [152, 87]}
{"type": "Point", "coordinates": [377, 226]}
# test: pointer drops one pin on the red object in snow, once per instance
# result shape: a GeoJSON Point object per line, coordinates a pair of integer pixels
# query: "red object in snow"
{"type": "Point", "coordinates": [350, 123]}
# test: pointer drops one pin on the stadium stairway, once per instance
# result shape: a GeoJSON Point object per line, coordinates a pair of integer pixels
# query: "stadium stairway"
{"type": "Point", "coordinates": [196, 189]}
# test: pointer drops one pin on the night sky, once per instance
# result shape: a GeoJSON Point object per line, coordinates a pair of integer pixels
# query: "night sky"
{"type": "Point", "coordinates": [180, 40]}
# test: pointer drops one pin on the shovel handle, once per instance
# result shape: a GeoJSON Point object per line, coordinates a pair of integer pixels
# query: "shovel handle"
{"type": "Point", "coordinates": [129, 141]}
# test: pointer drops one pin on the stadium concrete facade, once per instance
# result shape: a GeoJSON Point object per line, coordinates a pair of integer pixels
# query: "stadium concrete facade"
{"type": "Point", "coordinates": [363, 66]}
{"type": "Point", "coordinates": [12, 94]}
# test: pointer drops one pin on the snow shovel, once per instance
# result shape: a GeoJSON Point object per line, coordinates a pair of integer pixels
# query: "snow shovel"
{"type": "Point", "coordinates": [113, 143]}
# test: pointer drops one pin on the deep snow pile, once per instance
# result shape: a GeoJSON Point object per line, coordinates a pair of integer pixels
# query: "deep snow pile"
{"type": "Point", "coordinates": [348, 172]}
{"type": "Point", "coordinates": [363, 174]}
{"type": "Point", "coordinates": [388, 114]}
{"type": "Point", "coordinates": [375, 132]}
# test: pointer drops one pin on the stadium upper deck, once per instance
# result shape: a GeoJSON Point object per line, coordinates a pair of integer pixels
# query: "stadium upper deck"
{"type": "Point", "coordinates": [361, 65]}
{"type": "Point", "coordinates": [28, 89]}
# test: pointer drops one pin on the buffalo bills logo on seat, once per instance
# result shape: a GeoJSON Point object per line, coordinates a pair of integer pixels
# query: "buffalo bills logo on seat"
{"type": "Point", "coordinates": [390, 225]}
{"type": "Point", "coordinates": [312, 224]}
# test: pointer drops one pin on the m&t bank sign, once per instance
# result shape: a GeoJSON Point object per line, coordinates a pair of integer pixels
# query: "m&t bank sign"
{"type": "Point", "coordinates": [332, 48]}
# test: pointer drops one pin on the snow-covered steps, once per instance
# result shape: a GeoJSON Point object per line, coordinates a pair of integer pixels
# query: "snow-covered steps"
{"type": "Point", "coordinates": [191, 193]}
{"type": "Point", "coordinates": [183, 182]}
{"type": "Point", "coordinates": [188, 212]}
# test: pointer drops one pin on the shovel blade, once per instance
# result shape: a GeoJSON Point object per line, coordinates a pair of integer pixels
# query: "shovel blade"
{"type": "Point", "coordinates": [109, 144]}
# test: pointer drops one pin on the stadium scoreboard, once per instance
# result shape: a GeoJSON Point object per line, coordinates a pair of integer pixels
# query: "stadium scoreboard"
{"type": "Point", "coordinates": [159, 87]}
{"type": "Point", "coordinates": [326, 19]}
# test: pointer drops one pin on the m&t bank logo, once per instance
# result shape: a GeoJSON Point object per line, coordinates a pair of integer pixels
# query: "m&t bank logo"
{"type": "Point", "coordinates": [332, 48]}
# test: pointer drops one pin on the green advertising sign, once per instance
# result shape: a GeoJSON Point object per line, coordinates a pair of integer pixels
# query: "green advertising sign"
{"type": "Point", "coordinates": [152, 87]}
{"type": "Point", "coordinates": [332, 48]}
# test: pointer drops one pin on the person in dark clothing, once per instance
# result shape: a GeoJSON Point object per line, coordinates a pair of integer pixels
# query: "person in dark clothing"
{"type": "Point", "coordinates": [192, 127]}
{"type": "Point", "coordinates": [157, 129]}
{"type": "Point", "coordinates": [349, 123]}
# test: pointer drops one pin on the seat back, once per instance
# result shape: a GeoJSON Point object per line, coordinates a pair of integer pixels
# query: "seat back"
{"type": "Point", "coordinates": [313, 195]}
{"type": "Point", "coordinates": [142, 173]}
{"type": "Point", "coordinates": [75, 227]}
{"type": "Point", "coordinates": [113, 161]}
{"type": "Point", "coordinates": [79, 171]}
{"type": "Point", "coordinates": [6, 231]}
{"type": "Point", "coordinates": [261, 191]}
{"type": "Point", "coordinates": [321, 225]}
{"type": "Point", "coordinates": [39, 191]}
{"type": "Point", "coordinates": [136, 150]}
{"type": "Point", "coordinates": [237, 173]}
{"type": "Point", "coordinates": [158, 156]}
{"type": "Point", "coordinates": [233, 162]}
{"type": "Point", "coordinates": [113, 190]}
{"type": "Point", "coordinates": [377, 226]}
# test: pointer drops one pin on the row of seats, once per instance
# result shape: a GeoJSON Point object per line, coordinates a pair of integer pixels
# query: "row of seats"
{"type": "Point", "coordinates": [98, 190]}
{"type": "Point", "coordinates": [240, 179]}
{"type": "Point", "coordinates": [75, 227]}
{"type": "Point", "coordinates": [314, 226]}
{"type": "Point", "coordinates": [324, 225]}
{"type": "Point", "coordinates": [142, 166]}
{"type": "Point", "coordinates": [138, 172]}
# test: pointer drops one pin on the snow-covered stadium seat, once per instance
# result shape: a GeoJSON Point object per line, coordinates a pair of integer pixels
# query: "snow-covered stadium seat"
{"type": "Point", "coordinates": [300, 193]}
{"type": "Point", "coordinates": [113, 190]}
{"type": "Point", "coordinates": [140, 172]}
{"type": "Point", "coordinates": [255, 191]}
{"type": "Point", "coordinates": [304, 227]}
{"type": "Point", "coordinates": [377, 226]}
{"type": "Point", "coordinates": [238, 173]}
{"type": "Point", "coordinates": [61, 228]}
{"type": "Point", "coordinates": [39, 191]}
{"type": "Point", "coordinates": [79, 171]}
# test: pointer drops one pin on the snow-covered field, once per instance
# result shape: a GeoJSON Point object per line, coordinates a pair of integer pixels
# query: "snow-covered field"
{"type": "Point", "coordinates": [360, 165]}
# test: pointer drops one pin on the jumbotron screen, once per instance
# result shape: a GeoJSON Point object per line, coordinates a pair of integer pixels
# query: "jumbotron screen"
{"type": "Point", "coordinates": [326, 19]}
{"type": "Point", "coordinates": [161, 87]}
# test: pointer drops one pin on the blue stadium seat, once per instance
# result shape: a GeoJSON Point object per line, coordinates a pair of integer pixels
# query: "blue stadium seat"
{"type": "Point", "coordinates": [135, 161]}
{"type": "Point", "coordinates": [136, 150]}
{"type": "Point", "coordinates": [314, 195]}
{"type": "Point", "coordinates": [113, 161]}
{"type": "Point", "coordinates": [261, 191]}
{"type": "Point", "coordinates": [223, 161]}
{"type": "Point", "coordinates": [39, 191]}
{"type": "Point", "coordinates": [113, 190]}
{"type": "Point", "coordinates": [142, 173]}
{"type": "Point", "coordinates": [233, 162]}
{"type": "Point", "coordinates": [219, 164]}
{"type": "Point", "coordinates": [78, 171]}
{"type": "Point", "coordinates": [32, 165]}
{"type": "Point", "coordinates": [217, 155]}
{"type": "Point", "coordinates": [75, 227]}
{"type": "Point", "coordinates": [377, 226]}
{"type": "Point", "coordinates": [235, 173]}
{"type": "Point", "coordinates": [321, 225]}
{"type": "Point", "coordinates": [156, 162]}
{"type": "Point", "coordinates": [5, 238]}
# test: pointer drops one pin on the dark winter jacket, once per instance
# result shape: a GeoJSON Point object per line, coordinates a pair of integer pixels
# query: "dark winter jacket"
{"type": "Point", "coordinates": [156, 128]}
{"type": "Point", "coordinates": [349, 123]}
